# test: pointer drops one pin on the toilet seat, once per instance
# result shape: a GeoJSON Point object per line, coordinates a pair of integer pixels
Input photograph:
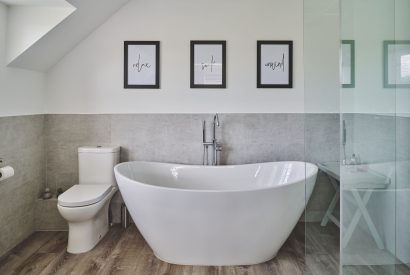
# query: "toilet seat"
{"type": "Point", "coordinates": [83, 195]}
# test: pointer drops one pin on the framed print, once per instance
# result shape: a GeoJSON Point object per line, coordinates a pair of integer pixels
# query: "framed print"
{"type": "Point", "coordinates": [348, 64]}
{"type": "Point", "coordinates": [396, 64]}
{"type": "Point", "coordinates": [141, 64]}
{"type": "Point", "coordinates": [208, 64]}
{"type": "Point", "coordinates": [274, 64]}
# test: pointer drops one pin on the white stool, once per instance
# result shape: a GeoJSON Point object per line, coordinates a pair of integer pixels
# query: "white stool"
{"type": "Point", "coordinates": [329, 212]}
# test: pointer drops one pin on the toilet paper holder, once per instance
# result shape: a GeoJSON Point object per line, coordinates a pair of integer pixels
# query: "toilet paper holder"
{"type": "Point", "coordinates": [5, 171]}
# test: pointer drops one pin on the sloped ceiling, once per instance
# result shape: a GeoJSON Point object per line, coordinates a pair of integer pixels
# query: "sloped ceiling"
{"type": "Point", "coordinates": [51, 47]}
{"type": "Point", "coordinates": [28, 23]}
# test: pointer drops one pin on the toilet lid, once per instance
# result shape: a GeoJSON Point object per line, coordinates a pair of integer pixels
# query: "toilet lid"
{"type": "Point", "coordinates": [83, 195]}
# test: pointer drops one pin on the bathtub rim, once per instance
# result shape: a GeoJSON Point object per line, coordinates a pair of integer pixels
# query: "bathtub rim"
{"type": "Point", "coordinates": [118, 174]}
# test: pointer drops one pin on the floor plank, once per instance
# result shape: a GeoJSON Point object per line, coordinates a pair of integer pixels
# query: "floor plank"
{"type": "Point", "coordinates": [14, 259]}
{"type": "Point", "coordinates": [93, 261]}
{"type": "Point", "coordinates": [126, 255]}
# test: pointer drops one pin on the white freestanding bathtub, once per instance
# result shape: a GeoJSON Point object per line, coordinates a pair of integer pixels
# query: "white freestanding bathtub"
{"type": "Point", "coordinates": [215, 215]}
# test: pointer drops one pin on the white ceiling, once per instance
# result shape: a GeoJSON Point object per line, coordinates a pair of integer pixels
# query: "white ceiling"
{"type": "Point", "coordinates": [35, 2]}
{"type": "Point", "coordinates": [50, 48]}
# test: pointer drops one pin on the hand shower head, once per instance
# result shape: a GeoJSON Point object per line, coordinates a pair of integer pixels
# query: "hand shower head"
{"type": "Point", "coordinates": [216, 119]}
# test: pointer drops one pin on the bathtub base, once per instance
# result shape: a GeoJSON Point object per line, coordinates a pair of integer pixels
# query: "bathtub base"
{"type": "Point", "coordinates": [203, 262]}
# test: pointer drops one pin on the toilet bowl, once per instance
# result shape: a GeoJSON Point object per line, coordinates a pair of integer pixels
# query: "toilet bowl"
{"type": "Point", "coordinates": [85, 206]}
{"type": "Point", "coordinates": [87, 223]}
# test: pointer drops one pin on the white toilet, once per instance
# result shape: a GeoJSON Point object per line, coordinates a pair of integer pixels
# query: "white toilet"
{"type": "Point", "coordinates": [85, 205]}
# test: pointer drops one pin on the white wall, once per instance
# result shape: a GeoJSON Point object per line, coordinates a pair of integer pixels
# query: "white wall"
{"type": "Point", "coordinates": [21, 91]}
{"type": "Point", "coordinates": [27, 24]}
{"type": "Point", "coordinates": [321, 55]}
{"type": "Point", "coordinates": [90, 78]}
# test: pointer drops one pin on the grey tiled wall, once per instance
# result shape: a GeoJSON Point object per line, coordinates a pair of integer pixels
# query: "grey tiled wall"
{"type": "Point", "coordinates": [403, 141]}
{"type": "Point", "coordinates": [22, 147]}
{"type": "Point", "coordinates": [371, 136]}
{"type": "Point", "coordinates": [246, 138]}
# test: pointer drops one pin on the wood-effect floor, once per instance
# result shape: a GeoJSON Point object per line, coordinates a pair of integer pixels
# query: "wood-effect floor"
{"type": "Point", "coordinates": [126, 252]}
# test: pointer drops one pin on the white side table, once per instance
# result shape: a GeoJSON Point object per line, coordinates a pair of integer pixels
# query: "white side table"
{"type": "Point", "coordinates": [356, 179]}
{"type": "Point", "coordinates": [332, 170]}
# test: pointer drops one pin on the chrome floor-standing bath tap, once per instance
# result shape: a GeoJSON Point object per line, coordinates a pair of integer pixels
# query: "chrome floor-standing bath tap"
{"type": "Point", "coordinates": [216, 146]}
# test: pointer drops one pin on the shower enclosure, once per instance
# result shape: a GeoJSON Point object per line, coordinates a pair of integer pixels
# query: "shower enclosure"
{"type": "Point", "coordinates": [357, 83]}
{"type": "Point", "coordinates": [375, 158]}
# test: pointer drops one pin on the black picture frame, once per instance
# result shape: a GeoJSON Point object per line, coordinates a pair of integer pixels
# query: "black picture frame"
{"type": "Point", "coordinates": [352, 83]}
{"type": "Point", "coordinates": [156, 79]}
{"type": "Point", "coordinates": [387, 60]}
{"type": "Point", "coordinates": [193, 83]}
{"type": "Point", "coordinates": [260, 62]}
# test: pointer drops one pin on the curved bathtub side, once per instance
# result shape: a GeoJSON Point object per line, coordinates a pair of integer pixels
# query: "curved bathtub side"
{"type": "Point", "coordinates": [311, 171]}
{"type": "Point", "coordinates": [214, 228]}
